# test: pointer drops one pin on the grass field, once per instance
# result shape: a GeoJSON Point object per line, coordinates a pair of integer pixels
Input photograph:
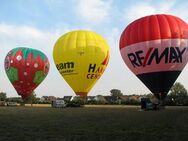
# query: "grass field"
{"type": "Point", "coordinates": [93, 124]}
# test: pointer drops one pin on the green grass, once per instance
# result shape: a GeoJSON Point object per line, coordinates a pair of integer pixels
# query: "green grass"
{"type": "Point", "coordinates": [92, 124]}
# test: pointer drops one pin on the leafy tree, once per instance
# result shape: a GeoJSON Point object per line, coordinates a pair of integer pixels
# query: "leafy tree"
{"type": "Point", "coordinates": [149, 95]}
{"type": "Point", "coordinates": [116, 92]}
{"type": "Point", "coordinates": [31, 99]}
{"type": "Point", "coordinates": [14, 99]}
{"type": "Point", "coordinates": [3, 96]}
{"type": "Point", "coordinates": [178, 93]}
{"type": "Point", "coordinates": [131, 102]}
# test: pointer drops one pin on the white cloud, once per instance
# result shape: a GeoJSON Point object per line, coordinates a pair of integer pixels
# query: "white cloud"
{"type": "Point", "coordinates": [11, 31]}
{"type": "Point", "coordinates": [139, 10]}
{"type": "Point", "coordinates": [12, 36]}
{"type": "Point", "coordinates": [94, 11]}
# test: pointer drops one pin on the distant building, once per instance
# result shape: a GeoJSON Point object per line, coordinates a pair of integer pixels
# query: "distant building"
{"type": "Point", "coordinates": [100, 98]}
{"type": "Point", "coordinates": [135, 97]}
{"type": "Point", "coordinates": [112, 99]}
{"type": "Point", "coordinates": [124, 97]}
{"type": "Point", "coordinates": [107, 99]}
{"type": "Point", "coordinates": [47, 98]}
{"type": "Point", "coordinates": [67, 98]}
{"type": "Point", "coordinates": [43, 98]}
{"type": "Point", "coordinates": [90, 98]}
{"type": "Point", "coordinates": [51, 98]}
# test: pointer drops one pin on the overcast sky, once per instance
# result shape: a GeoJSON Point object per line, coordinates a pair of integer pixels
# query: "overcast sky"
{"type": "Point", "coordinates": [39, 23]}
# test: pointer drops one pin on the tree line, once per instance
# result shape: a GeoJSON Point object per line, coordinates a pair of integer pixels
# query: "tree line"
{"type": "Point", "coordinates": [177, 96]}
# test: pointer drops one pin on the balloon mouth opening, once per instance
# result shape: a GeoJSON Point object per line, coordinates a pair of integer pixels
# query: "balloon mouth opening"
{"type": "Point", "coordinates": [160, 96]}
{"type": "Point", "coordinates": [81, 94]}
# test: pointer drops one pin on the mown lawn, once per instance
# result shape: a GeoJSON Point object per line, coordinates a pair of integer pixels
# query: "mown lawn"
{"type": "Point", "coordinates": [92, 124]}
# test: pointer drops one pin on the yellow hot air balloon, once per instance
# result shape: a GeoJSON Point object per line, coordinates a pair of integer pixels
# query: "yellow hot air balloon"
{"type": "Point", "coordinates": [81, 58]}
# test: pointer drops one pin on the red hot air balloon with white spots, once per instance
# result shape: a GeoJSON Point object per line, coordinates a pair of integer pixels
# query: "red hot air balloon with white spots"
{"type": "Point", "coordinates": [26, 68]}
{"type": "Point", "coordinates": [155, 49]}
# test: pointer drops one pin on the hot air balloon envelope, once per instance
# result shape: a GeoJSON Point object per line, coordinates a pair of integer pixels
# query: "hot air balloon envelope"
{"type": "Point", "coordinates": [155, 49]}
{"type": "Point", "coordinates": [81, 58]}
{"type": "Point", "coordinates": [26, 68]}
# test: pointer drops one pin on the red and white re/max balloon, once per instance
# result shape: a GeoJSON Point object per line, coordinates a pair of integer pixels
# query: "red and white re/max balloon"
{"type": "Point", "coordinates": [155, 49]}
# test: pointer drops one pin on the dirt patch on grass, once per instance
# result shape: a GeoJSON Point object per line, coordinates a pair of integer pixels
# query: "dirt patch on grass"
{"type": "Point", "coordinates": [111, 106]}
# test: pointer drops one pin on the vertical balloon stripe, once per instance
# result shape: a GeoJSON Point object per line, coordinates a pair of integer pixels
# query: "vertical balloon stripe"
{"type": "Point", "coordinates": [164, 27]}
